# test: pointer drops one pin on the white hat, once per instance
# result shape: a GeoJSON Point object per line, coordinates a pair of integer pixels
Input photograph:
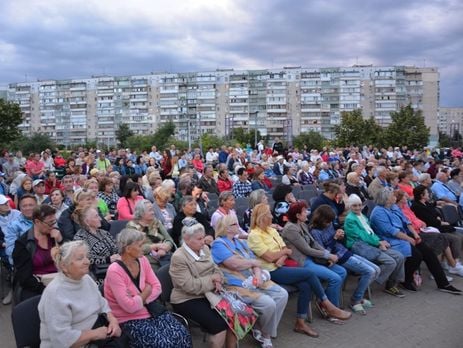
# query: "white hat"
{"type": "Point", "coordinates": [37, 181]}
{"type": "Point", "coordinates": [3, 199]}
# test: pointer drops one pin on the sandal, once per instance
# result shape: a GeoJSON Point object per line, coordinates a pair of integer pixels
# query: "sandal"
{"type": "Point", "coordinates": [367, 303]}
{"type": "Point", "coordinates": [306, 330]}
{"type": "Point", "coordinates": [257, 334]}
{"type": "Point", "coordinates": [358, 308]}
{"type": "Point", "coordinates": [336, 321]}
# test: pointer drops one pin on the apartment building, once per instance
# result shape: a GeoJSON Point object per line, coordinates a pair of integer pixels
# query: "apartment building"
{"type": "Point", "coordinates": [277, 102]}
{"type": "Point", "coordinates": [450, 120]}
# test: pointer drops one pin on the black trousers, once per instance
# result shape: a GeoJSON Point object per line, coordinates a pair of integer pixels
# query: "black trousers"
{"type": "Point", "coordinates": [421, 252]}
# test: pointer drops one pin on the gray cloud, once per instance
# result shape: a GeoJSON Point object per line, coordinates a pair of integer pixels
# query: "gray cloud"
{"type": "Point", "coordinates": [49, 40]}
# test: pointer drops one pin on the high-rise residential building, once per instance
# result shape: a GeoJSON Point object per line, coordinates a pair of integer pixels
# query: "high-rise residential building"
{"type": "Point", "coordinates": [450, 120]}
{"type": "Point", "coordinates": [277, 102]}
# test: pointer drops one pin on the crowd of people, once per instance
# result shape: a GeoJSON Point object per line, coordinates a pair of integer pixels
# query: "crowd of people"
{"type": "Point", "coordinates": [310, 218]}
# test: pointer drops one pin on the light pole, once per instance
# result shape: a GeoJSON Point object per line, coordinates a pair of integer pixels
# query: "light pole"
{"type": "Point", "coordinates": [255, 127]}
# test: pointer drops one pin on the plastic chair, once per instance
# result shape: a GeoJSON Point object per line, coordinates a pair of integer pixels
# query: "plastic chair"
{"type": "Point", "coordinates": [26, 323]}
{"type": "Point", "coordinates": [450, 214]}
{"type": "Point", "coordinates": [117, 226]}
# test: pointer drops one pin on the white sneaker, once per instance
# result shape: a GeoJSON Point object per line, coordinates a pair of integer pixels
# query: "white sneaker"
{"type": "Point", "coordinates": [444, 265]}
{"type": "Point", "coordinates": [449, 278]}
{"type": "Point", "coordinates": [7, 299]}
{"type": "Point", "coordinates": [458, 270]}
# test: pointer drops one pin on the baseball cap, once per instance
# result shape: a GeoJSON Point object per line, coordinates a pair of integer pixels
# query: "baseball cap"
{"type": "Point", "coordinates": [37, 181]}
{"type": "Point", "coordinates": [3, 199]}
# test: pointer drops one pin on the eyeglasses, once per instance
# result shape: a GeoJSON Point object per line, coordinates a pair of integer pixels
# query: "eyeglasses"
{"type": "Point", "coordinates": [49, 224]}
{"type": "Point", "coordinates": [235, 224]}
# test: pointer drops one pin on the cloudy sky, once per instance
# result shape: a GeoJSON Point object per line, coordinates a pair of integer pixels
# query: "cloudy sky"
{"type": "Point", "coordinates": [41, 39]}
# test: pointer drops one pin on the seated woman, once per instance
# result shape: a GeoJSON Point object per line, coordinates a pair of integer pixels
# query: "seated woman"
{"type": "Point", "coordinates": [243, 274]}
{"type": "Point", "coordinates": [304, 176]}
{"type": "Point", "coordinates": [57, 201]}
{"type": "Point", "coordinates": [354, 186]}
{"type": "Point", "coordinates": [193, 275]}
{"type": "Point", "coordinates": [258, 180]}
{"type": "Point", "coordinates": [126, 204]}
{"type": "Point", "coordinates": [32, 257]}
{"type": "Point", "coordinates": [405, 183]}
{"type": "Point", "coordinates": [131, 284]}
{"type": "Point", "coordinates": [390, 224]}
{"type": "Point", "coordinates": [163, 210]}
{"type": "Point", "coordinates": [26, 187]}
{"type": "Point", "coordinates": [363, 241]}
{"type": "Point", "coordinates": [256, 197]}
{"type": "Point", "coordinates": [102, 246]}
{"type": "Point", "coordinates": [289, 177]}
{"type": "Point", "coordinates": [158, 244]}
{"type": "Point", "coordinates": [283, 197]}
{"type": "Point", "coordinates": [325, 234]}
{"type": "Point", "coordinates": [107, 194]}
{"type": "Point", "coordinates": [270, 248]}
{"type": "Point", "coordinates": [189, 210]}
{"type": "Point", "coordinates": [68, 225]}
{"type": "Point", "coordinates": [441, 243]}
{"type": "Point", "coordinates": [71, 304]}
{"type": "Point", "coordinates": [305, 250]}
{"type": "Point", "coordinates": [226, 207]}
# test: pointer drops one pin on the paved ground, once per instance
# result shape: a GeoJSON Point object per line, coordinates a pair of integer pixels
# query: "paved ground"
{"type": "Point", "coordinates": [425, 319]}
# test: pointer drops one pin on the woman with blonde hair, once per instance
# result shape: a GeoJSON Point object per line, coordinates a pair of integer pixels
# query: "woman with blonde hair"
{"type": "Point", "coordinates": [243, 274]}
{"type": "Point", "coordinates": [163, 210]}
{"type": "Point", "coordinates": [272, 251]}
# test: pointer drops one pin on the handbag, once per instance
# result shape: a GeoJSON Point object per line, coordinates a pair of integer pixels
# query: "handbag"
{"type": "Point", "coordinates": [154, 308]}
{"type": "Point", "coordinates": [110, 342]}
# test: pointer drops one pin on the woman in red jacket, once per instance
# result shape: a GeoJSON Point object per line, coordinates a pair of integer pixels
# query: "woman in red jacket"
{"type": "Point", "coordinates": [224, 182]}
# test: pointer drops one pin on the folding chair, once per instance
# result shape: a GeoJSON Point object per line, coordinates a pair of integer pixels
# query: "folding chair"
{"type": "Point", "coordinates": [116, 226]}
{"type": "Point", "coordinates": [26, 323]}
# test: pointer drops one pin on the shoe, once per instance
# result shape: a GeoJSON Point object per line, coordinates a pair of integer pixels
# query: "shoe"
{"type": "Point", "coordinates": [358, 309]}
{"type": "Point", "coordinates": [267, 343]}
{"type": "Point", "coordinates": [394, 291]}
{"type": "Point", "coordinates": [451, 290]}
{"type": "Point", "coordinates": [257, 334]}
{"type": "Point", "coordinates": [366, 303]}
{"type": "Point", "coordinates": [458, 270]}
{"type": "Point", "coordinates": [449, 278]}
{"type": "Point", "coordinates": [408, 286]}
{"type": "Point", "coordinates": [334, 312]}
{"type": "Point", "coordinates": [445, 265]}
{"type": "Point", "coordinates": [7, 299]}
{"type": "Point", "coordinates": [306, 330]}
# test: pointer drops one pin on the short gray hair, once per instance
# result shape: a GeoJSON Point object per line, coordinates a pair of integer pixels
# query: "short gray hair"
{"type": "Point", "coordinates": [224, 195]}
{"type": "Point", "coordinates": [187, 199]}
{"type": "Point", "coordinates": [140, 208]}
{"type": "Point", "coordinates": [63, 254]}
{"type": "Point", "coordinates": [127, 237]}
{"type": "Point", "coordinates": [382, 196]}
{"type": "Point", "coordinates": [256, 197]}
{"type": "Point", "coordinates": [191, 226]}
{"type": "Point", "coordinates": [423, 177]}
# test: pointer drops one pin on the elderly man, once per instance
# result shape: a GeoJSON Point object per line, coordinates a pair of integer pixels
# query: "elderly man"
{"type": "Point", "coordinates": [379, 182]}
{"type": "Point", "coordinates": [442, 191]}
{"type": "Point", "coordinates": [207, 182]}
{"type": "Point", "coordinates": [278, 167]}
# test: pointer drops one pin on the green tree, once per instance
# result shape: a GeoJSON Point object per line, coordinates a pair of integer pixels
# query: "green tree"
{"type": "Point", "coordinates": [211, 140]}
{"type": "Point", "coordinates": [374, 133]}
{"type": "Point", "coordinates": [123, 132]}
{"type": "Point", "coordinates": [444, 140]}
{"type": "Point", "coordinates": [35, 143]}
{"type": "Point", "coordinates": [313, 140]}
{"type": "Point", "coordinates": [407, 128]}
{"type": "Point", "coordinates": [245, 136]}
{"type": "Point", "coordinates": [162, 135]}
{"type": "Point", "coordinates": [351, 130]}
{"type": "Point", "coordinates": [10, 119]}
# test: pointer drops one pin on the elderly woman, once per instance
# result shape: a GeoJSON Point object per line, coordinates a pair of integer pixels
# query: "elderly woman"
{"type": "Point", "coordinates": [193, 275]}
{"type": "Point", "coordinates": [226, 205]}
{"type": "Point", "coordinates": [243, 274]}
{"type": "Point", "coordinates": [355, 186]}
{"type": "Point", "coordinates": [270, 248]}
{"type": "Point", "coordinates": [324, 232]}
{"type": "Point", "coordinates": [189, 209]}
{"type": "Point", "coordinates": [32, 258]}
{"type": "Point", "coordinates": [71, 304]}
{"type": "Point", "coordinates": [289, 177]}
{"type": "Point", "coordinates": [363, 241]}
{"type": "Point", "coordinates": [163, 210]}
{"type": "Point", "coordinates": [388, 221]}
{"type": "Point", "coordinates": [158, 244]}
{"type": "Point", "coordinates": [131, 284]}
{"type": "Point", "coordinates": [304, 176]}
{"type": "Point", "coordinates": [102, 246]}
{"type": "Point", "coordinates": [57, 201]}
{"type": "Point", "coordinates": [308, 253]}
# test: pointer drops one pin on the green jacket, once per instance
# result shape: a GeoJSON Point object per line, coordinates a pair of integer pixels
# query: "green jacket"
{"type": "Point", "coordinates": [355, 231]}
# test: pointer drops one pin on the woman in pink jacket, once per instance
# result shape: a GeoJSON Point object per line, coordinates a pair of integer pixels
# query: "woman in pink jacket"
{"type": "Point", "coordinates": [129, 286]}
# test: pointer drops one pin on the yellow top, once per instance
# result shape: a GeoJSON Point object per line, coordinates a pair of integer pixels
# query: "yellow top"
{"type": "Point", "coordinates": [261, 241]}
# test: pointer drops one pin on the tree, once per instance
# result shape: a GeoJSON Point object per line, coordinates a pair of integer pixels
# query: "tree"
{"type": "Point", "coordinates": [407, 128]}
{"type": "Point", "coordinates": [374, 133]}
{"type": "Point", "coordinates": [244, 136]}
{"type": "Point", "coordinates": [211, 140]}
{"type": "Point", "coordinates": [162, 138]}
{"type": "Point", "coordinates": [10, 119]}
{"type": "Point", "coordinates": [444, 140]}
{"type": "Point", "coordinates": [123, 132]}
{"type": "Point", "coordinates": [313, 140]}
{"type": "Point", "coordinates": [35, 143]}
{"type": "Point", "coordinates": [351, 130]}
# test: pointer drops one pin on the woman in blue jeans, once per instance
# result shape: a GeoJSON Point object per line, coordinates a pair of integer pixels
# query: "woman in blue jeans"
{"type": "Point", "coordinates": [267, 244]}
{"type": "Point", "coordinates": [310, 254]}
{"type": "Point", "coordinates": [324, 233]}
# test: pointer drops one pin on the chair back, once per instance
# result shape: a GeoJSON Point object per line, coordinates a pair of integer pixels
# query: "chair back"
{"type": "Point", "coordinates": [450, 214]}
{"type": "Point", "coordinates": [116, 226]}
{"type": "Point", "coordinates": [26, 323]}
{"type": "Point", "coordinates": [166, 283]}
